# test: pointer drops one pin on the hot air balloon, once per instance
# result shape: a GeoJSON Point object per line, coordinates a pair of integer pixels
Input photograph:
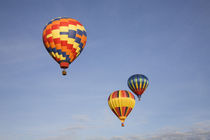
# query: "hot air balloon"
{"type": "Point", "coordinates": [64, 38]}
{"type": "Point", "coordinates": [138, 84]}
{"type": "Point", "coordinates": [121, 102]}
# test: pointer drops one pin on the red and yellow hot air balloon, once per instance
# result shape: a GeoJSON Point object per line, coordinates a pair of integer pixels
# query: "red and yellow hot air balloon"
{"type": "Point", "coordinates": [121, 102]}
{"type": "Point", "coordinates": [64, 39]}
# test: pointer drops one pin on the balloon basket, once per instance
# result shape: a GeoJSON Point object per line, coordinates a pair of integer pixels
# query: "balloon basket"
{"type": "Point", "coordinates": [122, 124]}
{"type": "Point", "coordinates": [64, 72]}
{"type": "Point", "coordinates": [139, 97]}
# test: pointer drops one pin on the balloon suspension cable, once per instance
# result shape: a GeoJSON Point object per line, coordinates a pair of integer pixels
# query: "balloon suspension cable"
{"type": "Point", "coordinates": [64, 72]}
{"type": "Point", "coordinates": [122, 124]}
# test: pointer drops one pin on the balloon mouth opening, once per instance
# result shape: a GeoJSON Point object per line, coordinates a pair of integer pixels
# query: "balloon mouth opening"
{"type": "Point", "coordinates": [64, 65]}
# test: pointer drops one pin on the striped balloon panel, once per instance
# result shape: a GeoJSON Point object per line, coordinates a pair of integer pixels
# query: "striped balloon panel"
{"type": "Point", "coordinates": [138, 83]}
{"type": "Point", "coordinates": [121, 103]}
{"type": "Point", "coordinates": [64, 39]}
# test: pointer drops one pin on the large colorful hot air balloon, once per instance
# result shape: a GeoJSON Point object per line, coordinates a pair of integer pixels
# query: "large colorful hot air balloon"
{"type": "Point", "coordinates": [64, 39]}
{"type": "Point", "coordinates": [138, 84]}
{"type": "Point", "coordinates": [121, 102]}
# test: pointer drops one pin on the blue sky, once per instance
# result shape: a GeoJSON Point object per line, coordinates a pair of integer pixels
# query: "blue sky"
{"type": "Point", "coordinates": [166, 40]}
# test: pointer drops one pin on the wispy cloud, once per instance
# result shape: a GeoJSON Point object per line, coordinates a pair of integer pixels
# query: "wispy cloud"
{"type": "Point", "coordinates": [191, 135]}
{"type": "Point", "coordinates": [81, 118]}
{"type": "Point", "coordinates": [76, 127]}
{"type": "Point", "coordinates": [66, 137]}
{"type": "Point", "coordinates": [19, 51]}
{"type": "Point", "coordinates": [198, 131]}
{"type": "Point", "coordinates": [81, 122]}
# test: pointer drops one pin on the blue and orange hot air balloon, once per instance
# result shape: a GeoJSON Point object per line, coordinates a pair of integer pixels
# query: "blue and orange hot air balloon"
{"type": "Point", "coordinates": [138, 84]}
{"type": "Point", "coordinates": [64, 39]}
{"type": "Point", "coordinates": [121, 102]}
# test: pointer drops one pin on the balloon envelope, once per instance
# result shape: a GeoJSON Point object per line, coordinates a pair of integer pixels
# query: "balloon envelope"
{"type": "Point", "coordinates": [138, 84]}
{"type": "Point", "coordinates": [121, 102]}
{"type": "Point", "coordinates": [64, 39]}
